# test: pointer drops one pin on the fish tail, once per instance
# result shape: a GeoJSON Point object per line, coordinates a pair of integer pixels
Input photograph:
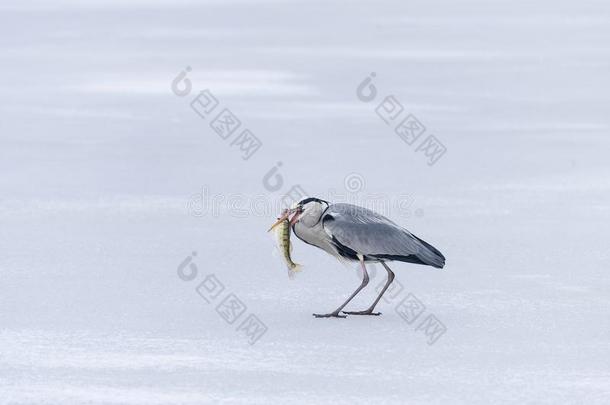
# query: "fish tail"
{"type": "Point", "coordinates": [294, 270]}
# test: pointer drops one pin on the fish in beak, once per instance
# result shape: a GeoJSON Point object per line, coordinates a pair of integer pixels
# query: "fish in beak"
{"type": "Point", "coordinates": [286, 216]}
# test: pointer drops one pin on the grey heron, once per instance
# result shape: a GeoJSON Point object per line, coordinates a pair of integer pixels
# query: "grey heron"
{"type": "Point", "coordinates": [352, 233]}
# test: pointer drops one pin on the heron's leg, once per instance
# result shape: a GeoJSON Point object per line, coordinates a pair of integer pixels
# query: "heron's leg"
{"type": "Point", "coordinates": [336, 312]}
{"type": "Point", "coordinates": [369, 311]}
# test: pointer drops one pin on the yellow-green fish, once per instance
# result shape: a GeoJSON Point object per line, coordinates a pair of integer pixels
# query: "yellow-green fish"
{"type": "Point", "coordinates": [283, 239]}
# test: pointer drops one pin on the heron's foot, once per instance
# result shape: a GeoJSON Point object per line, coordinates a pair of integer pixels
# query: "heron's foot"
{"type": "Point", "coordinates": [331, 315]}
{"type": "Point", "coordinates": [365, 312]}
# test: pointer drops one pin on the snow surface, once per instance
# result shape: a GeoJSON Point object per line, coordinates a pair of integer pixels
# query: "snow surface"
{"type": "Point", "coordinates": [101, 166]}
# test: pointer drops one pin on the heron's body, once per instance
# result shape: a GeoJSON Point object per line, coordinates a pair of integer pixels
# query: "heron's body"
{"type": "Point", "coordinates": [353, 233]}
{"type": "Point", "coordinates": [346, 230]}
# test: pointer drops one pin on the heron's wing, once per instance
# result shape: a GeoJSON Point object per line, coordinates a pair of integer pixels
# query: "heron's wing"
{"type": "Point", "coordinates": [365, 232]}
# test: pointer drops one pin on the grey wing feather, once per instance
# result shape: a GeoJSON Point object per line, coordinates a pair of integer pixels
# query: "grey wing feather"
{"type": "Point", "coordinates": [375, 236]}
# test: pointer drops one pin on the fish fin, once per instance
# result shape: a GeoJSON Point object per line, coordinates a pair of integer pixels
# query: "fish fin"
{"type": "Point", "coordinates": [292, 271]}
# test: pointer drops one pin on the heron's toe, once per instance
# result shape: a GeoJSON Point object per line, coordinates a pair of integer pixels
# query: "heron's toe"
{"type": "Point", "coordinates": [333, 315]}
{"type": "Point", "coordinates": [367, 312]}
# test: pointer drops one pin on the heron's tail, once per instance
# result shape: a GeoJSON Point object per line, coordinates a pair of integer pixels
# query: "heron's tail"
{"type": "Point", "coordinates": [430, 255]}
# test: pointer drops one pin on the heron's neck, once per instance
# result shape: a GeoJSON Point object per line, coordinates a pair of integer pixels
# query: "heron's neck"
{"type": "Point", "coordinates": [315, 236]}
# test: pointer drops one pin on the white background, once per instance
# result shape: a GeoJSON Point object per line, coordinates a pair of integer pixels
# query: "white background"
{"type": "Point", "coordinates": [99, 159]}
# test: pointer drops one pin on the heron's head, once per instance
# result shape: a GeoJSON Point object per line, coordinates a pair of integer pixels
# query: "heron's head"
{"type": "Point", "coordinates": [308, 212]}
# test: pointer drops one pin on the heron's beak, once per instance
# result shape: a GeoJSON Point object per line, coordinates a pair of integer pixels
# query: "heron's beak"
{"type": "Point", "coordinates": [283, 217]}
{"type": "Point", "coordinates": [296, 216]}
{"type": "Point", "coordinates": [286, 215]}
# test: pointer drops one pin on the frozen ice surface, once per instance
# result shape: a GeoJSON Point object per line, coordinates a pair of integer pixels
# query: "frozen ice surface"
{"type": "Point", "coordinates": [101, 167]}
